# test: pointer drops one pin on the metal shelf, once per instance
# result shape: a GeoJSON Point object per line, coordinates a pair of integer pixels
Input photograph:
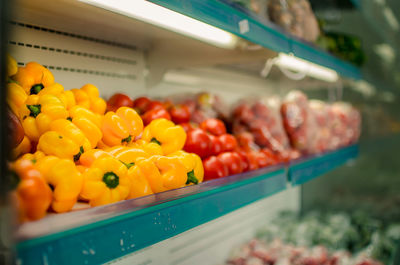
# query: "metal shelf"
{"type": "Point", "coordinates": [101, 234]}
{"type": "Point", "coordinates": [305, 170]}
{"type": "Point", "coordinates": [239, 21]}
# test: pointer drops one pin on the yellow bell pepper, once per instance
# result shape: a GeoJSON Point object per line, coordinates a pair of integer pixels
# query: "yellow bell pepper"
{"type": "Point", "coordinates": [33, 78]}
{"type": "Point", "coordinates": [64, 177]}
{"type": "Point", "coordinates": [88, 97]}
{"type": "Point", "coordinates": [88, 122]}
{"type": "Point", "coordinates": [12, 67]}
{"type": "Point", "coordinates": [106, 181]}
{"type": "Point", "coordinates": [16, 97]}
{"type": "Point", "coordinates": [193, 164]}
{"type": "Point", "coordinates": [140, 186]}
{"type": "Point", "coordinates": [23, 148]}
{"type": "Point", "coordinates": [38, 112]}
{"type": "Point", "coordinates": [56, 89]}
{"type": "Point", "coordinates": [33, 157]}
{"type": "Point", "coordinates": [171, 137]}
{"type": "Point", "coordinates": [128, 155]}
{"type": "Point", "coordinates": [64, 140]}
{"type": "Point", "coordinates": [87, 158]}
{"type": "Point", "coordinates": [121, 127]}
{"type": "Point", "coordinates": [151, 148]}
{"type": "Point", "coordinates": [163, 173]}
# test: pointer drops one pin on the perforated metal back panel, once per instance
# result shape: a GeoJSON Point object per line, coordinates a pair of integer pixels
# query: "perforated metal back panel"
{"type": "Point", "coordinates": [76, 60]}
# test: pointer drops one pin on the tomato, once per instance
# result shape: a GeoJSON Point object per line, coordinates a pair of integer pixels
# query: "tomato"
{"type": "Point", "coordinates": [188, 126]}
{"type": "Point", "coordinates": [214, 168]}
{"type": "Point", "coordinates": [155, 114]}
{"type": "Point", "coordinates": [15, 133]}
{"type": "Point", "coordinates": [233, 161]}
{"type": "Point", "coordinates": [154, 105]}
{"type": "Point", "coordinates": [270, 155]}
{"type": "Point", "coordinates": [214, 126]}
{"type": "Point", "coordinates": [245, 161]}
{"type": "Point", "coordinates": [246, 141]}
{"type": "Point", "coordinates": [119, 100]}
{"type": "Point", "coordinates": [216, 145]}
{"type": "Point", "coordinates": [263, 160]}
{"type": "Point", "coordinates": [252, 160]}
{"type": "Point", "coordinates": [179, 114]}
{"type": "Point", "coordinates": [228, 141]}
{"type": "Point", "coordinates": [140, 104]}
{"type": "Point", "coordinates": [198, 142]}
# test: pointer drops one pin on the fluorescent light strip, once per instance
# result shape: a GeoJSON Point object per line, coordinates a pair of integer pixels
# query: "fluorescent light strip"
{"type": "Point", "coordinates": [293, 63]}
{"type": "Point", "coordinates": [168, 19]}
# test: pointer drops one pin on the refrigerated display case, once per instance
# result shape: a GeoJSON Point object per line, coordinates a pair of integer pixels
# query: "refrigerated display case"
{"type": "Point", "coordinates": [112, 45]}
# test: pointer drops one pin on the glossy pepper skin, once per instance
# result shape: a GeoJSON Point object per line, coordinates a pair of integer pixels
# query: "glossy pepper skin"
{"type": "Point", "coordinates": [23, 148]}
{"type": "Point", "coordinates": [140, 186]}
{"type": "Point", "coordinates": [38, 112]}
{"type": "Point", "coordinates": [193, 164]}
{"type": "Point", "coordinates": [33, 78]}
{"type": "Point", "coordinates": [151, 148]}
{"type": "Point", "coordinates": [56, 89]}
{"type": "Point", "coordinates": [163, 173]}
{"type": "Point", "coordinates": [64, 140]}
{"type": "Point", "coordinates": [88, 97]}
{"type": "Point", "coordinates": [16, 97]}
{"type": "Point", "coordinates": [12, 67]}
{"type": "Point", "coordinates": [64, 177]}
{"type": "Point", "coordinates": [33, 195]}
{"type": "Point", "coordinates": [106, 181]}
{"type": "Point", "coordinates": [129, 155]}
{"type": "Point", "coordinates": [171, 137]}
{"type": "Point", "coordinates": [121, 127]}
{"type": "Point", "coordinates": [88, 122]}
{"type": "Point", "coordinates": [88, 157]}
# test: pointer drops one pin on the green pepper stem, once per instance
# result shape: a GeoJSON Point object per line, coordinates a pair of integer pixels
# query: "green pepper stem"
{"type": "Point", "coordinates": [111, 180]}
{"type": "Point", "coordinates": [154, 140]}
{"type": "Point", "coordinates": [78, 155]}
{"type": "Point", "coordinates": [127, 139]}
{"type": "Point", "coordinates": [191, 178]}
{"type": "Point", "coordinates": [128, 165]}
{"type": "Point", "coordinates": [34, 110]}
{"type": "Point", "coordinates": [35, 89]}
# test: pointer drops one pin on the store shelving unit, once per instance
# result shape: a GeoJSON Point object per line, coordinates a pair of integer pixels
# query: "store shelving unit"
{"type": "Point", "coordinates": [104, 232]}
{"type": "Point", "coordinates": [237, 20]}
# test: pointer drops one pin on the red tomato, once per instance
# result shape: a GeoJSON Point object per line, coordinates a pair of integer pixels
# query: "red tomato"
{"type": "Point", "coordinates": [119, 100]}
{"type": "Point", "coordinates": [233, 161]}
{"type": "Point", "coordinates": [228, 141]}
{"type": "Point", "coordinates": [245, 161]}
{"type": "Point", "coordinates": [155, 114]}
{"type": "Point", "coordinates": [214, 168]}
{"type": "Point", "coordinates": [179, 114]}
{"type": "Point", "coordinates": [246, 141]}
{"type": "Point", "coordinates": [154, 105]}
{"type": "Point", "coordinates": [214, 126]}
{"type": "Point", "coordinates": [252, 160]}
{"type": "Point", "coordinates": [188, 126]}
{"type": "Point", "coordinates": [263, 160]}
{"type": "Point", "coordinates": [198, 142]}
{"type": "Point", "coordinates": [140, 104]}
{"type": "Point", "coordinates": [270, 155]}
{"type": "Point", "coordinates": [216, 145]}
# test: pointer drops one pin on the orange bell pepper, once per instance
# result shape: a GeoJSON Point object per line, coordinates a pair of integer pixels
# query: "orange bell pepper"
{"type": "Point", "coordinates": [121, 127]}
{"type": "Point", "coordinates": [33, 195]}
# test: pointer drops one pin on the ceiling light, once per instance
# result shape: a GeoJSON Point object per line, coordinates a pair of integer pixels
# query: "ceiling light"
{"type": "Point", "coordinates": [296, 64]}
{"type": "Point", "coordinates": [168, 19]}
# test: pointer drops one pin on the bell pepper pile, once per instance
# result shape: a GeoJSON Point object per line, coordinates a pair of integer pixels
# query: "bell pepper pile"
{"type": "Point", "coordinates": [71, 146]}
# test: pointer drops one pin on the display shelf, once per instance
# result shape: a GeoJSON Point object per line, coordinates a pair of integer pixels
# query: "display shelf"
{"type": "Point", "coordinates": [306, 169]}
{"type": "Point", "coordinates": [239, 21]}
{"type": "Point", "coordinates": [101, 234]}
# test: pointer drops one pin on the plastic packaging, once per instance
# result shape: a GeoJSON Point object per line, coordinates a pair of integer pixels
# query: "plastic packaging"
{"type": "Point", "coordinates": [296, 17]}
{"type": "Point", "coordinates": [299, 122]}
{"type": "Point", "coordinates": [263, 120]}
